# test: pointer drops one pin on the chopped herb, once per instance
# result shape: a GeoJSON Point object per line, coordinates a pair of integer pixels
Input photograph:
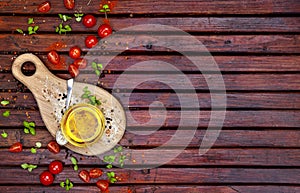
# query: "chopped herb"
{"type": "Point", "coordinates": [4, 103]}
{"type": "Point", "coordinates": [109, 158]}
{"type": "Point", "coordinates": [28, 167]}
{"type": "Point", "coordinates": [109, 166]}
{"type": "Point", "coordinates": [111, 177]}
{"type": "Point", "coordinates": [33, 150]}
{"type": "Point", "coordinates": [87, 95]}
{"type": "Point", "coordinates": [64, 17]}
{"type": "Point", "coordinates": [97, 68]}
{"type": "Point", "coordinates": [30, 21]}
{"type": "Point", "coordinates": [6, 113]}
{"type": "Point", "coordinates": [29, 127]}
{"type": "Point", "coordinates": [78, 16]}
{"type": "Point", "coordinates": [105, 9]}
{"type": "Point", "coordinates": [20, 31]}
{"type": "Point", "coordinates": [4, 134]}
{"type": "Point", "coordinates": [67, 184]}
{"type": "Point", "coordinates": [74, 162]}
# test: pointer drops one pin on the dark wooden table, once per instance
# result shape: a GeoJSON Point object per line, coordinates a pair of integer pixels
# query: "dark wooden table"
{"type": "Point", "coordinates": [256, 45]}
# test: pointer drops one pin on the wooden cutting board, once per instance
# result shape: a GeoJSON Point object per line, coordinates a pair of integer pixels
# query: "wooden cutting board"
{"type": "Point", "coordinates": [50, 93]}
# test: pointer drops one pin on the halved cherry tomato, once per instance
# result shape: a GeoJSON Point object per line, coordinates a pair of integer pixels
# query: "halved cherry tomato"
{"type": "Point", "coordinates": [102, 185]}
{"type": "Point", "coordinates": [73, 70]}
{"type": "Point", "coordinates": [75, 52]}
{"type": "Point", "coordinates": [89, 21]}
{"type": "Point", "coordinates": [91, 41]}
{"type": "Point", "coordinates": [53, 147]}
{"type": "Point", "coordinates": [84, 176]}
{"type": "Point", "coordinates": [104, 30]}
{"type": "Point", "coordinates": [69, 4]}
{"type": "Point", "coordinates": [80, 63]}
{"type": "Point", "coordinates": [46, 178]}
{"type": "Point", "coordinates": [95, 173]}
{"type": "Point", "coordinates": [44, 7]}
{"type": "Point", "coordinates": [55, 167]}
{"type": "Point", "coordinates": [16, 147]}
{"type": "Point", "coordinates": [53, 57]}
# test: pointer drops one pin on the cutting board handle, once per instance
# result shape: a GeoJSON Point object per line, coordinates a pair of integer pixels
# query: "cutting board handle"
{"type": "Point", "coordinates": [40, 70]}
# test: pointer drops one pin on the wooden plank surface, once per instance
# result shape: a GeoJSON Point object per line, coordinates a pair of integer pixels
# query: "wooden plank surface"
{"type": "Point", "coordinates": [254, 43]}
{"type": "Point", "coordinates": [158, 7]}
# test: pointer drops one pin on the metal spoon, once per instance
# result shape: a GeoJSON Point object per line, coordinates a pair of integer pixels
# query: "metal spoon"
{"type": "Point", "coordinates": [60, 139]}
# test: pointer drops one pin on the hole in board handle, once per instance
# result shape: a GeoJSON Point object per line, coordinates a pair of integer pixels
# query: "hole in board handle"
{"type": "Point", "coordinates": [28, 68]}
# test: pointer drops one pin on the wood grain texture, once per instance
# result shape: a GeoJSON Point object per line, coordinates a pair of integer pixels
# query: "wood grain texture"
{"type": "Point", "coordinates": [260, 138]}
{"type": "Point", "coordinates": [195, 176]}
{"type": "Point", "coordinates": [157, 7]}
{"type": "Point", "coordinates": [263, 157]}
{"type": "Point", "coordinates": [233, 82]}
{"type": "Point", "coordinates": [188, 24]}
{"type": "Point", "coordinates": [235, 100]}
{"type": "Point", "coordinates": [233, 119]}
{"type": "Point", "coordinates": [265, 44]}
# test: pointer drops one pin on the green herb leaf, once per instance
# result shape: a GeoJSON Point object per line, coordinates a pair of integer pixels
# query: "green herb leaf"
{"type": "Point", "coordinates": [97, 72]}
{"type": "Point", "coordinates": [75, 167]}
{"type": "Point", "coordinates": [67, 181]}
{"type": "Point", "coordinates": [118, 149]}
{"type": "Point", "coordinates": [74, 160]}
{"type": "Point", "coordinates": [6, 113]}
{"type": "Point", "coordinates": [35, 28]}
{"type": "Point", "coordinates": [109, 158]}
{"type": "Point", "coordinates": [4, 103]}
{"type": "Point", "coordinates": [38, 144]}
{"type": "Point", "coordinates": [62, 184]}
{"type": "Point", "coordinates": [30, 21]}
{"type": "Point", "coordinates": [33, 150]}
{"type": "Point", "coordinates": [20, 31]}
{"type": "Point", "coordinates": [24, 165]}
{"type": "Point", "coordinates": [26, 130]}
{"type": "Point", "coordinates": [109, 166]}
{"type": "Point", "coordinates": [32, 131]}
{"type": "Point", "coordinates": [31, 124]}
{"type": "Point", "coordinates": [4, 134]}
{"type": "Point", "coordinates": [71, 185]}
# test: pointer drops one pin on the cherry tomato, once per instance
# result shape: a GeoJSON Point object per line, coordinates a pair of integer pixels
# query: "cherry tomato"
{"type": "Point", "coordinates": [73, 70]}
{"type": "Point", "coordinates": [16, 147]}
{"type": "Point", "coordinates": [84, 176]}
{"type": "Point", "coordinates": [95, 173]}
{"type": "Point", "coordinates": [104, 30]}
{"type": "Point", "coordinates": [53, 57]}
{"type": "Point", "coordinates": [89, 21]}
{"type": "Point", "coordinates": [53, 147]}
{"type": "Point", "coordinates": [80, 63]}
{"type": "Point", "coordinates": [102, 185]}
{"type": "Point", "coordinates": [75, 52]}
{"type": "Point", "coordinates": [44, 7]}
{"type": "Point", "coordinates": [69, 4]}
{"type": "Point", "coordinates": [55, 167]}
{"type": "Point", "coordinates": [46, 178]}
{"type": "Point", "coordinates": [91, 41]}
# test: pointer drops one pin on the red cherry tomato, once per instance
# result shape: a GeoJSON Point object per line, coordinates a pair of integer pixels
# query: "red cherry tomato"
{"type": "Point", "coordinates": [95, 173]}
{"type": "Point", "coordinates": [46, 178]}
{"type": "Point", "coordinates": [53, 57]}
{"type": "Point", "coordinates": [102, 185]}
{"type": "Point", "coordinates": [55, 167]}
{"type": "Point", "coordinates": [75, 52]}
{"type": "Point", "coordinates": [91, 41]}
{"type": "Point", "coordinates": [104, 30]}
{"type": "Point", "coordinates": [80, 63]}
{"type": "Point", "coordinates": [53, 147]}
{"type": "Point", "coordinates": [16, 147]}
{"type": "Point", "coordinates": [73, 70]}
{"type": "Point", "coordinates": [44, 7]}
{"type": "Point", "coordinates": [89, 21]}
{"type": "Point", "coordinates": [69, 4]}
{"type": "Point", "coordinates": [84, 176]}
